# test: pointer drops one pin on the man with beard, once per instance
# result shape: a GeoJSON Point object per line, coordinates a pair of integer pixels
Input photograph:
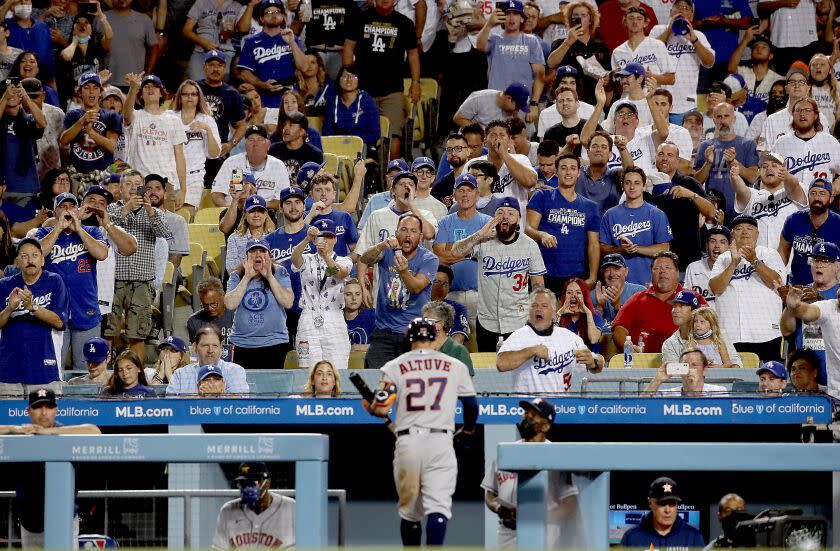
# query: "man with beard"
{"type": "Point", "coordinates": [269, 59]}
{"type": "Point", "coordinates": [778, 196]}
{"type": "Point", "coordinates": [90, 131]}
{"type": "Point", "coordinates": [73, 253]}
{"type": "Point", "coordinates": [720, 92]}
{"type": "Point", "coordinates": [808, 151]}
{"type": "Point", "coordinates": [179, 240]}
{"type": "Point", "coordinates": [457, 153]}
{"type": "Point", "coordinates": [825, 268]}
{"type": "Point", "coordinates": [805, 228]}
{"type": "Point", "coordinates": [542, 356]}
{"type": "Point", "coordinates": [565, 226]}
{"type": "Point", "coordinates": [715, 156]}
{"type": "Point", "coordinates": [260, 297]}
{"type": "Point", "coordinates": [211, 294]}
{"type": "Point", "coordinates": [596, 181]}
{"type": "Point", "coordinates": [697, 273]}
{"type": "Point", "coordinates": [612, 290]}
{"type": "Point", "coordinates": [744, 280]}
{"type": "Point", "coordinates": [225, 105]}
{"type": "Point", "coordinates": [797, 87]}
{"type": "Point", "coordinates": [405, 274]}
{"type": "Point", "coordinates": [294, 150]}
{"type": "Point", "coordinates": [508, 261]}
{"type": "Point", "coordinates": [632, 79]}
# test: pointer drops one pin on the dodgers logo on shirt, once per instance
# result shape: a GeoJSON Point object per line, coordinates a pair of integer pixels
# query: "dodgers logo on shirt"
{"type": "Point", "coordinates": [504, 266]}
{"type": "Point", "coordinates": [556, 362]}
{"type": "Point", "coordinates": [255, 300]}
{"type": "Point", "coordinates": [632, 229]}
{"type": "Point", "coordinates": [275, 53]}
{"type": "Point", "coordinates": [744, 273]}
{"type": "Point", "coordinates": [771, 208]}
{"type": "Point", "coordinates": [806, 162]}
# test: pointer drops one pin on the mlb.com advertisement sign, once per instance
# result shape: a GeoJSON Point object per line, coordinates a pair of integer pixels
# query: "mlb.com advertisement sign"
{"type": "Point", "coordinates": [572, 410]}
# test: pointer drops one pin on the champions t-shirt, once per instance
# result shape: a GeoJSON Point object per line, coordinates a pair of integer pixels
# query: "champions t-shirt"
{"type": "Point", "coordinates": [85, 154]}
{"type": "Point", "coordinates": [381, 44]}
{"type": "Point", "coordinates": [328, 22]}
{"type": "Point", "coordinates": [570, 222]}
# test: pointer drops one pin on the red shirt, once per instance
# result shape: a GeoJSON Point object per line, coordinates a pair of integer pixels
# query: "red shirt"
{"type": "Point", "coordinates": [612, 30]}
{"type": "Point", "coordinates": [645, 312]}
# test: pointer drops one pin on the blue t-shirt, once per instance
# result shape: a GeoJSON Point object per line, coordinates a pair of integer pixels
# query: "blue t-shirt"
{"type": "Point", "coordinates": [629, 290]}
{"type": "Point", "coordinates": [605, 191]}
{"type": "Point", "coordinates": [36, 38]}
{"type": "Point", "coordinates": [281, 245]}
{"type": "Point", "coordinates": [461, 322]}
{"type": "Point", "coordinates": [681, 536]}
{"type": "Point", "coordinates": [509, 59]}
{"type": "Point", "coordinates": [801, 234]}
{"type": "Point", "coordinates": [599, 323]}
{"type": "Point", "coordinates": [645, 225]}
{"type": "Point", "coordinates": [260, 320]}
{"type": "Point", "coordinates": [17, 140]}
{"type": "Point", "coordinates": [551, 182]}
{"type": "Point", "coordinates": [139, 391]}
{"type": "Point", "coordinates": [570, 222]}
{"type": "Point", "coordinates": [819, 346]}
{"type": "Point", "coordinates": [14, 213]}
{"type": "Point", "coordinates": [396, 306]}
{"type": "Point", "coordinates": [70, 259]}
{"type": "Point", "coordinates": [724, 40]}
{"type": "Point", "coordinates": [29, 348]}
{"type": "Point", "coordinates": [745, 153]}
{"type": "Point", "coordinates": [85, 154]}
{"type": "Point", "coordinates": [361, 328]}
{"type": "Point", "coordinates": [269, 57]}
{"type": "Point", "coordinates": [345, 229]}
{"type": "Point", "coordinates": [452, 228]}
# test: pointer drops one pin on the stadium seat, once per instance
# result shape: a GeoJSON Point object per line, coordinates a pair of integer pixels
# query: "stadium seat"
{"type": "Point", "coordinates": [184, 213]}
{"type": "Point", "coordinates": [750, 360]}
{"type": "Point", "coordinates": [384, 146]}
{"type": "Point", "coordinates": [291, 361]}
{"type": "Point", "coordinates": [482, 360]}
{"type": "Point", "coordinates": [213, 241]}
{"type": "Point", "coordinates": [641, 360]}
{"type": "Point", "coordinates": [357, 359]}
{"type": "Point", "coordinates": [206, 201]}
{"type": "Point", "coordinates": [209, 215]}
{"type": "Point", "coordinates": [167, 293]}
{"type": "Point", "coordinates": [344, 146]}
{"type": "Point", "coordinates": [426, 116]}
{"type": "Point", "coordinates": [192, 269]}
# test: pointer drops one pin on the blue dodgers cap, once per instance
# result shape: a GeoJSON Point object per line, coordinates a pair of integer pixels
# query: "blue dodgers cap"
{"type": "Point", "coordinates": [176, 343]}
{"type": "Point", "coordinates": [774, 367]}
{"type": "Point", "coordinates": [277, 3]}
{"type": "Point", "coordinates": [404, 174]}
{"type": "Point", "coordinates": [257, 243]}
{"type": "Point", "coordinates": [290, 192]}
{"type": "Point", "coordinates": [27, 240]}
{"type": "Point", "coordinates": [206, 370]}
{"type": "Point", "coordinates": [465, 179]}
{"type": "Point", "coordinates": [90, 77]}
{"type": "Point", "coordinates": [512, 5]}
{"type": "Point", "coordinates": [421, 162]}
{"type": "Point", "coordinates": [613, 259]}
{"type": "Point", "coordinates": [307, 172]}
{"type": "Point", "coordinates": [255, 202]}
{"type": "Point", "coordinates": [325, 226]}
{"type": "Point", "coordinates": [825, 249]}
{"type": "Point", "coordinates": [687, 297]}
{"type": "Point", "coordinates": [151, 79]}
{"type": "Point", "coordinates": [215, 54]}
{"type": "Point", "coordinates": [720, 230]}
{"type": "Point", "coordinates": [743, 219]}
{"type": "Point", "coordinates": [820, 183]}
{"type": "Point", "coordinates": [520, 94]}
{"type": "Point", "coordinates": [541, 406]}
{"type": "Point", "coordinates": [566, 71]}
{"type": "Point", "coordinates": [398, 164]}
{"type": "Point", "coordinates": [628, 104]}
{"type": "Point", "coordinates": [511, 202]}
{"type": "Point", "coordinates": [248, 177]}
{"type": "Point", "coordinates": [96, 350]}
{"type": "Point", "coordinates": [62, 197]}
{"type": "Point", "coordinates": [632, 69]}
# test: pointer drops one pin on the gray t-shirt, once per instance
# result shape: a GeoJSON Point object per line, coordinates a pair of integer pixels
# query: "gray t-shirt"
{"type": "Point", "coordinates": [481, 107]}
{"type": "Point", "coordinates": [134, 33]}
{"type": "Point", "coordinates": [6, 61]}
{"type": "Point", "coordinates": [215, 23]}
{"type": "Point", "coordinates": [179, 243]}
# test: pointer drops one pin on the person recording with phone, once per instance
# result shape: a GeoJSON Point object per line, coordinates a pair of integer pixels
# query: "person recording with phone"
{"type": "Point", "coordinates": [692, 370]}
{"type": "Point", "coordinates": [18, 143]}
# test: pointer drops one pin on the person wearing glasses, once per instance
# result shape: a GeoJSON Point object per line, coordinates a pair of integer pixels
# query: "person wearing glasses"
{"type": "Point", "coordinates": [797, 87]}
{"type": "Point", "coordinates": [457, 154]}
{"type": "Point", "coordinates": [350, 111]}
{"type": "Point", "coordinates": [424, 169]}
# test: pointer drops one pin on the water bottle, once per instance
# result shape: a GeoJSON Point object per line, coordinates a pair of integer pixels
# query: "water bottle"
{"type": "Point", "coordinates": [500, 343]}
{"type": "Point", "coordinates": [642, 338]}
{"type": "Point", "coordinates": [628, 352]}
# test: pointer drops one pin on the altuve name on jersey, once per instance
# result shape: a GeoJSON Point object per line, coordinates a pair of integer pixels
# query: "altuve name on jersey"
{"type": "Point", "coordinates": [429, 364]}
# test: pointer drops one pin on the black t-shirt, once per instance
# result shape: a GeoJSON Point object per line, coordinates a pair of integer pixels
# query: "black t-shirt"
{"type": "Point", "coordinates": [295, 158]}
{"type": "Point", "coordinates": [226, 106]}
{"type": "Point", "coordinates": [596, 47]}
{"type": "Point", "coordinates": [327, 25]}
{"type": "Point", "coordinates": [201, 318]}
{"type": "Point", "coordinates": [381, 44]}
{"type": "Point", "coordinates": [559, 133]}
{"type": "Point", "coordinates": [684, 218]}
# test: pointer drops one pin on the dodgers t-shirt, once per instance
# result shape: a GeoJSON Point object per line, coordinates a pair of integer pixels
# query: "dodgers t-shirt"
{"type": "Point", "coordinates": [345, 231]}
{"type": "Point", "coordinates": [280, 246]}
{"type": "Point", "coordinates": [396, 305]}
{"type": "Point", "coordinates": [644, 225]}
{"type": "Point", "coordinates": [569, 222]}
{"type": "Point", "coordinates": [381, 44]}
{"type": "Point", "coordinates": [269, 57]}
{"type": "Point", "coordinates": [801, 234]}
{"type": "Point", "coordinates": [260, 320]}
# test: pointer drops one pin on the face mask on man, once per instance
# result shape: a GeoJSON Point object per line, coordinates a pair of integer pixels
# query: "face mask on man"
{"type": "Point", "coordinates": [527, 428]}
{"type": "Point", "coordinates": [23, 11]}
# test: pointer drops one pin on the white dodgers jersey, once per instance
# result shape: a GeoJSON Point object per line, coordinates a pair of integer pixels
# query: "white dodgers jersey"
{"type": "Point", "coordinates": [240, 527]}
{"type": "Point", "coordinates": [536, 375]}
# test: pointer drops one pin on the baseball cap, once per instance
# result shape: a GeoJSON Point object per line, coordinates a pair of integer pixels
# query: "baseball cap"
{"type": "Point", "coordinates": [155, 178]}
{"type": "Point", "coordinates": [761, 38]}
{"type": "Point", "coordinates": [632, 68]}
{"type": "Point", "coordinates": [520, 94]}
{"type": "Point", "coordinates": [325, 226]}
{"type": "Point", "coordinates": [298, 118]}
{"type": "Point", "coordinates": [421, 162]}
{"type": "Point", "coordinates": [510, 202]}
{"type": "Point", "coordinates": [820, 183]}
{"type": "Point", "coordinates": [719, 87]}
{"type": "Point", "coordinates": [289, 192]}
{"type": "Point", "coordinates": [256, 129]}
{"type": "Point", "coordinates": [743, 219]}
{"type": "Point", "coordinates": [256, 243]}
{"type": "Point", "coordinates": [215, 54]}
{"type": "Point", "coordinates": [825, 249]}
{"type": "Point", "coordinates": [151, 79]}
{"type": "Point", "coordinates": [629, 105]}
{"type": "Point", "coordinates": [774, 367]}
{"type": "Point", "coordinates": [689, 2]}
{"type": "Point", "coordinates": [404, 174]}
{"type": "Point", "coordinates": [636, 9]}
{"type": "Point", "coordinates": [465, 180]}
{"type": "Point", "coordinates": [62, 197]}
{"type": "Point", "coordinates": [613, 259]}
{"type": "Point", "coordinates": [695, 114]}
{"type": "Point", "coordinates": [737, 85]}
{"type": "Point", "coordinates": [206, 370]}
{"type": "Point", "coordinates": [566, 71]}
{"type": "Point", "coordinates": [176, 343]}
{"type": "Point", "coordinates": [251, 471]}
{"type": "Point", "coordinates": [100, 190]}
{"type": "Point", "coordinates": [248, 178]}
{"type": "Point", "coordinates": [663, 488]}
{"type": "Point", "coordinates": [543, 407]}
{"type": "Point", "coordinates": [41, 397]}
{"type": "Point", "coordinates": [32, 86]}
{"type": "Point", "coordinates": [513, 5]}
{"type": "Point", "coordinates": [720, 230]}
{"type": "Point", "coordinates": [307, 172]}
{"type": "Point", "coordinates": [797, 67]}
{"type": "Point", "coordinates": [772, 156]}
{"type": "Point", "coordinates": [96, 350]}
{"type": "Point", "coordinates": [687, 297]}
{"type": "Point", "coordinates": [90, 77]}
{"type": "Point", "coordinates": [398, 164]}
{"type": "Point", "coordinates": [276, 3]}
{"type": "Point", "coordinates": [24, 241]}
{"type": "Point", "coordinates": [112, 91]}
{"type": "Point", "coordinates": [255, 202]}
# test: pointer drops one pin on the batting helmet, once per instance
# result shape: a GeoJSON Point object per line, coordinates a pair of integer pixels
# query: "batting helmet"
{"type": "Point", "coordinates": [420, 329]}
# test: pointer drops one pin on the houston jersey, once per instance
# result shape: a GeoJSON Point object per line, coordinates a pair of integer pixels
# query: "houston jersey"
{"type": "Point", "coordinates": [239, 527]}
{"type": "Point", "coordinates": [428, 385]}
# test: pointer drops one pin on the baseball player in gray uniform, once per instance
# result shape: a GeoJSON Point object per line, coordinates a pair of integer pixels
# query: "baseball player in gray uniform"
{"type": "Point", "coordinates": [258, 519]}
{"type": "Point", "coordinates": [423, 385]}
